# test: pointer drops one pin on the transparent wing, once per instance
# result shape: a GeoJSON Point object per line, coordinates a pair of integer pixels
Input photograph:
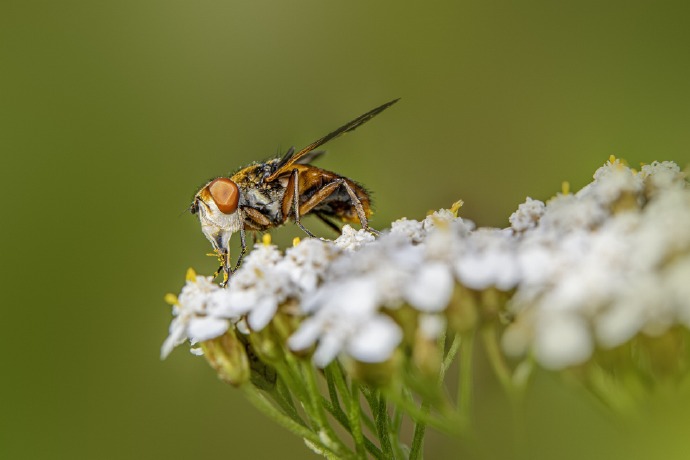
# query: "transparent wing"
{"type": "Point", "coordinates": [294, 157]}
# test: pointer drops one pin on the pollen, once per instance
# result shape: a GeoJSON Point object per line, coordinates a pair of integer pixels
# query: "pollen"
{"type": "Point", "coordinates": [565, 187]}
{"type": "Point", "coordinates": [455, 207]}
{"type": "Point", "coordinates": [191, 275]}
{"type": "Point", "coordinates": [612, 159]}
{"type": "Point", "coordinates": [295, 241]}
{"type": "Point", "coordinates": [266, 239]}
{"type": "Point", "coordinates": [170, 299]}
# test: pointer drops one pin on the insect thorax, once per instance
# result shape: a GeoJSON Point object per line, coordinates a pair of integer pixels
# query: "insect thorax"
{"type": "Point", "coordinates": [255, 193]}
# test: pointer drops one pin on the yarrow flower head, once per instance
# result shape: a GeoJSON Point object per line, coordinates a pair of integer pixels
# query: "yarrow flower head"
{"type": "Point", "coordinates": [307, 262]}
{"type": "Point", "coordinates": [352, 239]}
{"type": "Point", "coordinates": [614, 183]}
{"type": "Point", "coordinates": [664, 175]}
{"type": "Point", "coordinates": [570, 279]}
{"type": "Point", "coordinates": [195, 313]}
{"type": "Point", "coordinates": [601, 281]}
{"type": "Point", "coordinates": [527, 215]}
{"type": "Point", "coordinates": [579, 272]}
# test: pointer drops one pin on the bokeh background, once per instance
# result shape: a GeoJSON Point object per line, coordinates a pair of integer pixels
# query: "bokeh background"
{"type": "Point", "coordinates": [112, 113]}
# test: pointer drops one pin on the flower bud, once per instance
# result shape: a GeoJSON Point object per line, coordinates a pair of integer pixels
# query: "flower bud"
{"type": "Point", "coordinates": [228, 356]}
{"type": "Point", "coordinates": [287, 320]}
{"type": "Point", "coordinates": [427, 356]}
{"type": "Point", "coordinates": [662, 355]}
{"type": "Point", "coordinates": [406, 318]}
{"type": "Point", "coordinates": [376, 374]}
{"type": "Point", "coordinates": [626, 201]}
{"type": "Point", "coordinates": [462, 310]}
{"type": "Point", "coordinates": [266, 344]}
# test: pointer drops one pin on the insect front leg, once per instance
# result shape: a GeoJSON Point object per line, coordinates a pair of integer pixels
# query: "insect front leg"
{"type": "Point", "coordinates": [220, 268]}
{"type": "Point", "coordinates": [254, 221]}
{"type": "Point", "coordinates": [243, 251]}
{"type": "Point", "coordinates": [224, 259]}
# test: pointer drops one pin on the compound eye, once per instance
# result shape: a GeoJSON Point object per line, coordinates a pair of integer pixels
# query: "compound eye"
{"type": "Point", "coordinates": [225, 194]}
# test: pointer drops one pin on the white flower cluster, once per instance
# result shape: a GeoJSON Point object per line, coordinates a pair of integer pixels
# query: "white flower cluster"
{"type": "Point", "coordinates": [266, 279]}
{"type": "Point", "coordinates": [199, 314]}
{"type": "Point", "coordinates": [340, 287]}
{"type": "Point", "coordinates": [349, 313]}
{"type": "Point", "coordinates": [589, 269]}
{"type": "Point", "coordinates": [603, 265]}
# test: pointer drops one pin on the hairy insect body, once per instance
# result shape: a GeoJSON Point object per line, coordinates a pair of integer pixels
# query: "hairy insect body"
{"type": "Point", "coordinates": [337, 204]}
{"type": "Point", "coordinates": [264, 197]}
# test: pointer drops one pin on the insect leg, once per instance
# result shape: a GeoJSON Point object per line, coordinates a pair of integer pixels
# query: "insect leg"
{"type": "Point", "coordinates": [219, 256]}
{"type": "Point", "coordinates": [328, 222]}
{"type": "Point", "coordinates": [257, 221]}
{"type": "Point", "coordinates": [243, 242]}
{"type": "Point", "coordinates": [295, 201]}
{"type": "Point", "coordinates": [325, 191]}
{"type": "Point", "coordinates": [360, 210]}
{"type": "Point", "coordinates": [217, 272]}
{"type": "Point", "coordinates": [225, 266]}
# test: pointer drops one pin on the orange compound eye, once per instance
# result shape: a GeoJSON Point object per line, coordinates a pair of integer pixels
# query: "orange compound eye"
{"type": "Point", "coordinates": [225, 194]}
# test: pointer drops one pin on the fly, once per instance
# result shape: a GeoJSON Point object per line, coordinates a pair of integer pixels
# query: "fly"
{"type": "Point", "coordinates": [265, 195]}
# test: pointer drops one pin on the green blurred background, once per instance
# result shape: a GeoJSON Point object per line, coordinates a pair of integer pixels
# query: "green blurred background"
{"type": "Point", "coordinates": [113, 113]}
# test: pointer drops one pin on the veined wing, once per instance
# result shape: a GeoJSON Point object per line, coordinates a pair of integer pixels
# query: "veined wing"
{"type": "Point", "coordinates": [291, 158]}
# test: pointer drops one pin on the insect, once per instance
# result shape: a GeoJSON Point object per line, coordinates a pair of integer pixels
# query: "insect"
{"type": "Point", "coordinates": [265, 195]}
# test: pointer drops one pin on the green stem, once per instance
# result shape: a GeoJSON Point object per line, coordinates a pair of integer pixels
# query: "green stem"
{"type": "Point", "coordinates": [285, 403]}
{"type": "Point", "coordinates": [366, 444]}
{"type": "Point", "coordinates": [260, 402]}
{"type": "Point", "coordinates": [514, 391]}
{"type": "Point", "coordinates": [319, 414]}
{"type": "Point", "coordinates": [498, 363]}
{"type": "Point", "coordinates": [450, 424]}
{"type": "Point", "coordinates": [284, 391]}
{"type": "Point", "coordinates": [382, 426]}
{"type": "Point", "coordinates": [354, 415]}
{"type": "Point", "coordinates": [351, 397]}
{"type": "Point", "coordinates": [418, 437]}
{"type": "Point", "coordinates": [293, 380]}
{"type": "Point", "coordinates": [452, 351]}
{"type": "Point", "coordinates": [420, 425]}
{"type": "Point", "coordinates": [372, 401]}
{"type": "Point", "coordinates": [336, 412]}
{"type": "Point", "coordinates": [373, 450]}
{"type": "Point", "coordinates": [371, 397]}
{"type": "Point", "coordinates": [394, 431]}
{"type": "Point", "coordinates": [464, 401]}
{"type": "Point", "coordinates": [332, 391]}
{"type": "Point", "coordinates": [396, 423]}
{"type": "Point", "coordinates": [335, 374]}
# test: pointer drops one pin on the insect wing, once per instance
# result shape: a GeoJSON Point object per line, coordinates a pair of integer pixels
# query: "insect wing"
{"type": "Point", "coordinates": [288, 160]}
{"type": "Point", "coordinates": [305, 159]}
{"type": "Point", "coordinates": [309, 157]}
